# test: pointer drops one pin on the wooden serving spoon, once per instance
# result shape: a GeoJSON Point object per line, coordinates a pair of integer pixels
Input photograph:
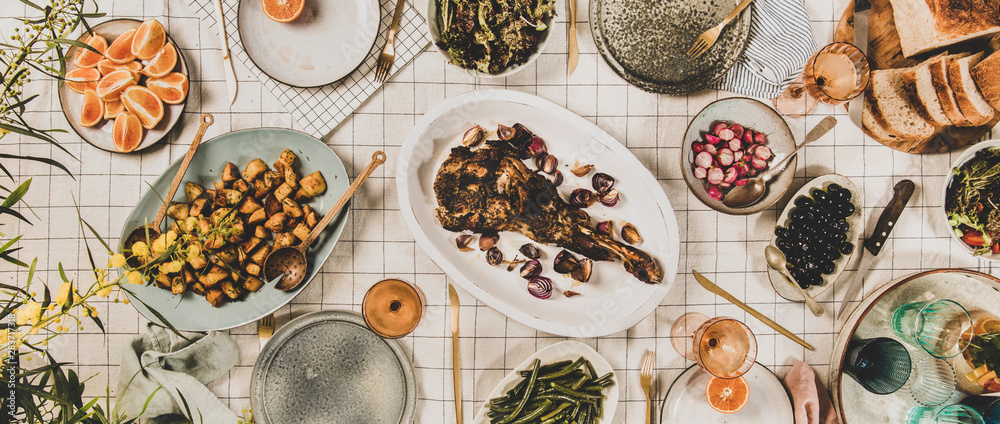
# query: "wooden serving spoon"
{"type": "Point", "coordinates": [153, 228]}
{"type": "Point", "coordinates": [289, 263]}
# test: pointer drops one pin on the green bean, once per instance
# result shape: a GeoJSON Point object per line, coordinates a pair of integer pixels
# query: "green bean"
{"type": "Point", "coordinates": [559, 397]}
{"type": "Point", "coordinates": [570, 368]}
{"type": "Point", "coordinates": [556, 411]}
{"type": "Point", "coordinates": [576, 385]}
{"type": "Point", "coordinates": [535, 413]}
{"type": "Point", "coordinates": [593, 372]}
{"type": "Point", "coordinates": [547, 368]}
{"type": "Point", "coordinates": [527, 393]}
{"type": "Point", "coordinates": [577, 394]}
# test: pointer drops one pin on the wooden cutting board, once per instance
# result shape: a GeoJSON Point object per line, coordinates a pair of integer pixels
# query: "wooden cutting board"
{"type": "Point", "coordinates": [884, 52]}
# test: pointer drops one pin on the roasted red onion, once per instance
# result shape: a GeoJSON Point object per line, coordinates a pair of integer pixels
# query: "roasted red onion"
{"type": "Point", "coordinates": [582, 198]}
{"type": "Point", "coordinates": [540, 287]}
{"type": "Point", "coordinates": [582, 274]}
{"type": "Point", "coordinates": [549, 164]}
{"type": "Point", "coordinates": [609, 199]}
{"type": "Point", "coordinates": [606, 228]}
{"type": "Point", "coordinates": [473, 136]}
{"type": "Point", "coordinates": [557, 179]}
{"type": "Point", "coordinates": [582, 170]}
{"type": "Point", "coordinates": [463, 241]}
{"type": "Point", "coordinates": [494, 256]}
{"type": "Point", "coordinates": [531, 269]}
{"type": "Point", "coordinates": [531, 251]}
{"type": "Point", "coordinates": [505, 133]}
{"type": "Point", "coordinates": [630, 234]}
{"type": "Point", "coordinates": [565, 263]}
{"type": "Point", "coordinates": [487, 241]}
{"type": "Point", "coordinates": [536, 146]}
{"type": "Point", "coordinates": [602, 182]}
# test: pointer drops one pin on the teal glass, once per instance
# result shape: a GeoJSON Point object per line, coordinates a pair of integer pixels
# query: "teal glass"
{"type": "Point", "coordinates": [932, 381]}
{"type": "Point", "coordinates": [987, 406]}
{"type": "Point", "coordinates": [951, 414]}
{"type": "Point", "coordinates": [936, 326]}
{"type": "Point", "coordinates": [880, 365]}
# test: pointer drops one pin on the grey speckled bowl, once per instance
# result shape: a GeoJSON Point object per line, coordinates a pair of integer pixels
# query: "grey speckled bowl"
{"type": "Point", "coordinates": [646, 41]}
{"type": "Point", "coordinates": [328, 368]}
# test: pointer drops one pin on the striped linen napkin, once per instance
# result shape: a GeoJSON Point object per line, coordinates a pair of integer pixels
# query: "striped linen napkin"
{"type": "Point", "coordinates": [780, 42]}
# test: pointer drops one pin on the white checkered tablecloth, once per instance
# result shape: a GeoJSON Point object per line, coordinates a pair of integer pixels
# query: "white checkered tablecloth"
{"type": "Point", "coordinates": [376, 245]}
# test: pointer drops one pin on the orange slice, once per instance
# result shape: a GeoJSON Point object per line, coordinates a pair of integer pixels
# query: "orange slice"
{"type": "Point", "coordinates": [112, 108]}
{"type": "Point", "coordinates": [149, 38]}
{"type": "Point", "coordinates": [727, 395]}
{"type": "Point", "coordinates": [106, 67]}
{"type": "Point", "coordinates": [986, 325]}
{"type": "Point", "coordinates": [82, 79]}
{"type": "Point", "coordinates": [87, 58]}
{"type": "Point", "coordinates": [114, 84]}
{"type": "Point", "coordinates": [163, 62]}
{"type": "Point", "coordinates": [126, 132]}
{"type": "Point", "coordinates": [172, 88]}
{"type": "Point", "coordinates": [282, 10]}
{"type": "Point", "coordinates": [120, 50]}
{"type": "Point", "coordinates": [141, 102]}
{"type": "Point", "coordinates": [92, 109]}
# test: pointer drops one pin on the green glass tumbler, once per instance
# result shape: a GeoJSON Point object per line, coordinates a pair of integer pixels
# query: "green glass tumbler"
{"type": "Point", "coordinates": [951, 414]}
{"type": "Point", "coordinates": [936, 326]}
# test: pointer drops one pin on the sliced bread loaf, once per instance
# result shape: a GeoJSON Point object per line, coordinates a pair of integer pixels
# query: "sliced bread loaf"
{"type": "Point", "coordinates": [920, 94]}
{"type": "Point", "coordinates": [926, 25]}
{"type": "Point", "coordinates": [939, 80]}
{"type": "Point", "coordinates": [890, 107]}
{"type": "Point", "coordinates": [987, 77]}
{"type": "Point", "coordinates": [970, 101]}
{"type": "Point", "coordinates": [871, 124]}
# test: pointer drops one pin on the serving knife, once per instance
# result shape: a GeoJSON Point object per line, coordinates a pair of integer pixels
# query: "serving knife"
{"type": "Point", "coordinates": [574, 53]}
{"type": "Point", "coordinates": [227, 62]}
{"type": "Point", "coordinates": [456, 363]}
{"type": "Point", "coordinates": [862, 9]}
{"type": "Point", "coordinates": [874, 243]}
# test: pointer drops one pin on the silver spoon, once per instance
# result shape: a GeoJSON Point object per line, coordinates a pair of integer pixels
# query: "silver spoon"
{"type": "Point", "coordinates": [776, 260]}
{"type": "Point", "coordinates": [754, 189]}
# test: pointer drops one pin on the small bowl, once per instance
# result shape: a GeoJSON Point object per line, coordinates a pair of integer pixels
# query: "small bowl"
{"type": "Point", "coordinates": [855, 221]}
{"type": "Point", "coordinates": [962, 159]}
{"type": "Point", "coordinates": [751, 114]}
{"type": "Point", "coordinates": [434, 32]}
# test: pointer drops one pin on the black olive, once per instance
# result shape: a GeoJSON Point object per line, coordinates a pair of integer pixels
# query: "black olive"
{"type": "Point", "coordinates": [828, 267]}
{"type": "Point", "coordinates": [847, 248]}
{"type": "Point", "coordinates": [841, 225]}
{"type": "Point", "coordinates": [798, 214]}
{"type": "Point", "coordinates": [833, 255]}
{"type": "Point", "coordinates": [803, 202]}
{"type": "Point", "coordinates": [846, 210]}
{"type": "Point", "coordinates": [781, 232]}
{"type": "Point", "coordinates": [809, 266]}
{"type": "Point", "coordinates": [819, 195]}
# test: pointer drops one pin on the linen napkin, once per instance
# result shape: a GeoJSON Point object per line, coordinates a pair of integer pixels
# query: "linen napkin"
{"type": "Point", "coordinates": [160, 359]}
{"type": "Point", "coordinates": [780, 42]}
{"type": "Point", "coordinates": [810, 400]}
{"type": "Point", "coordinates": [317, 111]}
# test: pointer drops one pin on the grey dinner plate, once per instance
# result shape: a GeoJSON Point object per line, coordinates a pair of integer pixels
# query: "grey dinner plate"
{"type": "Point", "coordinates": [646, 41]}
{"type": "Point", "coordinates": [327, 367]}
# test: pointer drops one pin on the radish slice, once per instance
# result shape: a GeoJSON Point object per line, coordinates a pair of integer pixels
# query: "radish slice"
{"type": "Point", "coordinates": [759, 163]}
{"type": "Point", "coordinates": [759, 138]}
{"type": "Point", "coordinates": [697, 147]}
{"type": "Point", "coordinates": [730, 176]}
{"type": "Point", "coordinates": [742, 168]}
{"type": "Point", "coordinates": [725, 157]}
{"type": "Point", "coordinates": [711, 149]}
{"type": "Point", "coordinates": [725, 185]}
{"type": "Point", "coordinates": [726, 134]}
{"type": "Point", "coordinates": [738, 130]}
{"type": "Point", "coordinates": [711, 139]}
{"type": "Point", "coordinates": [740, 182]}
{"type": "Point", "coordinates": [737, 155]}
{"type": "Point", "coordinates": [719, 127]}
{"type": "Point", "coordinates": [703, 160]}
{"type": "Point", "coordinates": [748, 137]}
{"type": "Point", "coordinates": [763, 152]}
{"type": "Point", "coordinates": [715, 193]}
{"type": "Point", "coordinates": [751, 172]}
{"type": "Point", "coordinates": [751, 149]}
{"type": "Point", "coordinates": [700, 173]}
{"type": "Point", "coordinates": [735, 144]}
{"type": "Point", "coordinates": [715, 176]}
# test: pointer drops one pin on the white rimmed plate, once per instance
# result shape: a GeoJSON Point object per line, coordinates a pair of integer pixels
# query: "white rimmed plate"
{"type": "Point", "coordinates": [613, 300]}
{"type": "Point", "coordinates": [327, 42]}
{"type": "Point", "coordinates": [966, 156]}
{"type": "Point", "coordinates": [778, 281]}
{"type": "Point", "coordinates": [768, 403]}
{"type": "Point", "coordinates": [568, 350]}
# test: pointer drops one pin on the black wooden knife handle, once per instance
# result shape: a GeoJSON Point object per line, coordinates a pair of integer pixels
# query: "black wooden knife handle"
{"type": "Point", "coordinates": [901, 193]}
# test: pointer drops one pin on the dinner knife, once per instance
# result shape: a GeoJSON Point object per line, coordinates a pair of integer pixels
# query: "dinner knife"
{"type": "Point", "coordinates": [455, 362]}
{"type": "Point", "coordinates": [574, 53]}
{"type": "Point", "coordinates": [874, 243]}
{"type": "Point", "coordinates": [226, 61]}
{"type": "Point", "coordinates": [862, 8]}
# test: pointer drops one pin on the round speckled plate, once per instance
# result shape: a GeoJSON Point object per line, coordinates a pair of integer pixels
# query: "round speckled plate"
{"type": "Point", "coordinates": [327, 367]}
{"type": "Point", "coordinates": [685, 401]}
{"type": "Point", "coordinates": [646, 41]}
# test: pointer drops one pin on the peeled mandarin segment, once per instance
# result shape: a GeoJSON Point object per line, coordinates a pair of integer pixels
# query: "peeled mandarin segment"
{"type": "Point", "coordinates": [282, 10]}
{"type": "Point", "coordinates": [127, 132]}
{"type": "Point", "coordinates": [149, 38]}
{"type": "Point", "coordinates": [87, 58]}
{"type": "Point", "coordinates": [163, 62]}
{"type": "Point", "coordinates": [112, 108]}
{"type": "Point", "coordinates": [120, 51]}
{"type": "Point", "coordinates": [82, 79]}
{"type": "Point", "coordinates": [172, 88]}
{"type": "Point", "coordinates": [115, 83]}
{"type": "Point", "coordinates": [141, 102]}
{"type": "Point", "coordinates": [91, 110]}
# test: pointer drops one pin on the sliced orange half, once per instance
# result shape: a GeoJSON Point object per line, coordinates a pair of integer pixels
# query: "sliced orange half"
{"type": "Point", "coordinates": [115, 83]}
{"type": "Point", "coordinates": [120, 50]}
{"type": "Point", "coordinates": [91, 110]}
{"type": "Point", "coordinates": [89, 58]}
{"type": "Point", "coordinates": [149, 38]}
{"type": "Point", "coordinates": [82, 79]}
{"type": "Point", "coordinates": [172, 88]}
{"type": "Point", "coordinates": [727, 395]}
{"type": "Point", "coordinates": [283, 10]}
{"type": "Point", "coordinates": [112, 108]}
{"type": "Point", "coordinates": [126, 132]}
{"type": "Point", "coordinates": [141, 102]}
{"type": "Point", "coordinates": [163, 62]}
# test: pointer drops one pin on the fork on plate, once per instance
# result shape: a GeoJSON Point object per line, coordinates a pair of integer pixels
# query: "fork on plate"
{"type": "Point", "coordinates": [646, 380]}
{"type": "Point", "coordinates": [708, 38]}
{"type": "Point", "coordinates": [388, 54]}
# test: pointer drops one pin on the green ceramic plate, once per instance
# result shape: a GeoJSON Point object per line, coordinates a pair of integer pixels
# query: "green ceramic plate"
{"type": "Point", "coordinates": [646, 41]}
{"type": "Point", "coordinates": [192, 312]}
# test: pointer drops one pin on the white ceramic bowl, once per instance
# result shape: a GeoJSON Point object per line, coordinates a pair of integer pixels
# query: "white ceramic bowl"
{"type": "Point", "coordinates": [433, 30]}
{"type": "Point", "coordinates": [965, 157]}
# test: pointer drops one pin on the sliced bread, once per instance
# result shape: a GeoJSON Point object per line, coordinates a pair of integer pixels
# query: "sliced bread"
{"type": "Point", "coordinates": [970, 101]}
{"type": "Point", "coordinates": [871, 124]}
{"type": "Point", "coordinates": [926, 25]}
{"type": "Point", "coordinates": [987, 77]}
{"type": "Point", "coordinates": [939, 80]}
{"type": "Point", "coordinates": [920, 94]}
{"type": "Point", "coordinates": [890, 107]}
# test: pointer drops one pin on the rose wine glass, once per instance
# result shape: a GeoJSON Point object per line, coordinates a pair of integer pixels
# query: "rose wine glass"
{"type": "Point", "coordinates": [833, 75]}
{"type": "Point", "coordinates": [722, 346]}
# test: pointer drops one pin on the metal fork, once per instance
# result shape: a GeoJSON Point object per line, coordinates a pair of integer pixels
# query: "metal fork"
{"type": "Point", "coordinates": [388, 54]}
{"type": "Point", "coordinates": [265, 329]}
{"type": "Point", "coordinates": [708, 38]}
{"type": "Point", "coordinates": [646, 381]}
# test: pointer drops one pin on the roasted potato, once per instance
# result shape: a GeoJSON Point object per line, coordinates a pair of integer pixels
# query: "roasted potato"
{"type": "Point", "coordinates": [276, 222]}
{"type": "Point", "coordinates": [240, 186]}
{"type": "Point", "coordinates": [283, 240]}
{"type": "Point", "coordinates": [253, 269]}
{"type": "Point", "coordinates": [230, 173]}
{"type": "Point", "coordinates": [291, 178]}
{"type": "Point", "coordinates": [257, 217]}
{"type": "Point", "coordinates": [193, 191]}
{"type": "Point", "coordinates": [291, 208]}
{"type": "Point", "coordinates": [177, 285]}
{"type": "Point", "coordinates": [301, 231]}
{"type": "Point", "coordinates": [198, 207]}
{"type": "Point", "coordinates": [219, 185]}
{"type": "Point", "coordinates": [260, 254]}
{"type": "Point", "coordinates": [311, 219]}
{"type": "Point", "coordinates": [254, 169]}
{"type": "Point", "coordinates": [261, 232]}
{"type": "Point", "coordinates": [272, 205]}
{"type": "Point", "coordinates": [249, 206]}
{"type": "Point", "coordinates": [215, 297]}
{"type": "Point", "coordinates": [313, 184]}
{"type": "Point", "coordinates": [284, 191]}
{"type": "Point", "coordinates": [252, 283]}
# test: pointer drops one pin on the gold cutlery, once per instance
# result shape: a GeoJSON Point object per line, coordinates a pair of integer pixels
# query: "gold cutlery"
{"type": "Point", "coordinates": [226, 61]}
{"type": "Point", "coordinates": [456, 363]}
{"type": "Point", "coordinates": [646, 381]}
{"type": "Point", "coordinates": [388, 54]}
{"type": "Point", "coordinates": [265, 329]}
{"type": "Point", "coordinates": [708, 38]}
{"type": "Point", "coordinates": [574, 52]}
{"type": "Point", "coordinates": [712, 287]}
